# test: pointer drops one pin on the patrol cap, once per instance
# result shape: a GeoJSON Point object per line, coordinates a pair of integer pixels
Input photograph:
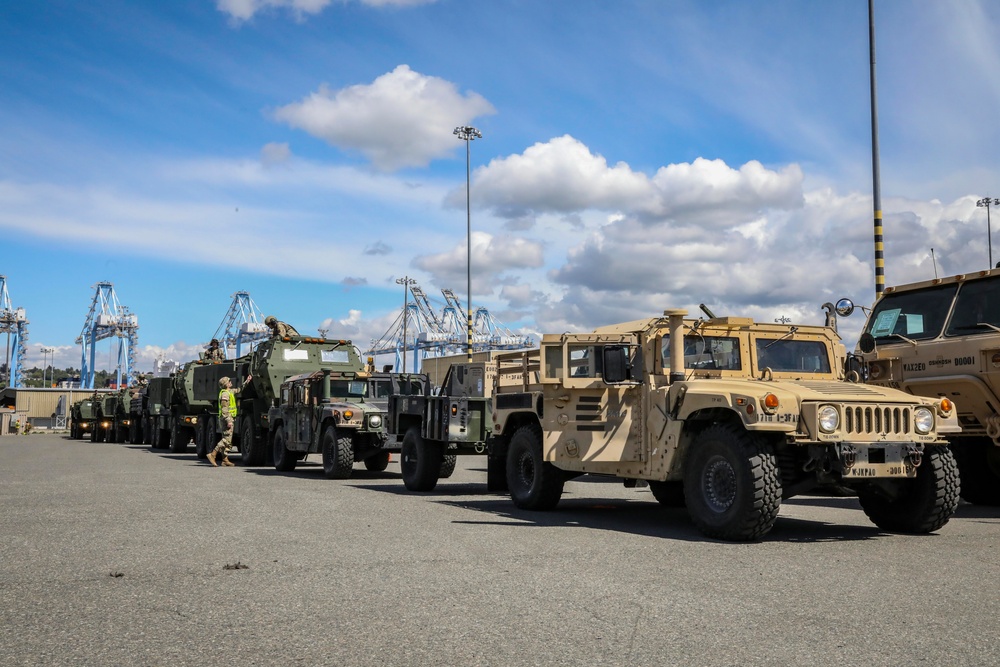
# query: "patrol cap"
{"type": "Point", "coordinates": [224, 381]}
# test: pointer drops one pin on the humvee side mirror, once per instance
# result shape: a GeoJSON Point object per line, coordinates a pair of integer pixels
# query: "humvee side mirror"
{"type": "Point", "coordinates": [866, 343]}
{"type": "Point", "coordinates": [845, 307]}
{"type": "Point", "coordinates": [616, 366]}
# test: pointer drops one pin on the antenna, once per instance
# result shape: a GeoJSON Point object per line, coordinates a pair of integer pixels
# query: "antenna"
{"type": "Point", "coordinates": [934, 261]}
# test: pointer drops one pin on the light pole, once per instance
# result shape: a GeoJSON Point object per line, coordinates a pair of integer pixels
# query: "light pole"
{"type": "Point", "coordinates": [405, 281]}
{"type": "Point", "coordinates": [46, 351]}
{"type": "Point", "coordinates": [467, 133]}
{"type": "Point", "coordinates": [986, 202]}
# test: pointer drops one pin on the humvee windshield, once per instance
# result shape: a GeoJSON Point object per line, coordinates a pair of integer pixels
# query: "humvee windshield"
{"type": "Point", "coordinates": [917, 315]}
{"type": "Point", "coordinates": [348, 388]}
{"type": "Point", "coordinates": [707, 352]}
{"type": "Point", "coordinates": [792, 356]}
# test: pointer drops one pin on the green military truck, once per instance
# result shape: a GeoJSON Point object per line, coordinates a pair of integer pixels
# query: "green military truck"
{"type": "Point", "coordinates": [328, 412]}
{"type": "Point", "coordinates": [82, 418]}
{"type": "Point", "coordinates": [727, 423]}
{"type": "Point", "coordinates": [940, 338]}
{"type": "Point", "coordinates": [179, 414]}
{"type": "Point", "coordinates": [110, 420]}
{"type": "Point", "coordinates": [436, 427]}
{"type": "Point", "coordinates": [155, 406]}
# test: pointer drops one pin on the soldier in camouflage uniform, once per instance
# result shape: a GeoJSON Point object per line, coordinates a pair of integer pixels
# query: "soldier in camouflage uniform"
{"type": "Point", "coordinates": [278, 328]}
{"type": "Point", "coordinates": [213, 352]}
{"type": "Point", "coordinates": [227, 415]}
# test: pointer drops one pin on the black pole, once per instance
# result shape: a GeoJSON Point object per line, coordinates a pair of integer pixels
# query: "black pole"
{"type": "Point", "coordinates": [876, 180]}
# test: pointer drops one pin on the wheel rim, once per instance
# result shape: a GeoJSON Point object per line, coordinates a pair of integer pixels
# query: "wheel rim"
{"type": "Point", "coordinates": [718, 483]}
{"type": "Point", "coordinates": [408, 460]}
{"type": "Point", "coordinates": [526, 469]}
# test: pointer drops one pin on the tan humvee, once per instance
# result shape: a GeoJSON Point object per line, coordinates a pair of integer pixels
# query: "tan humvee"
{"type": "Point", "coordinates": [941, 338]}
{"type": "Point", "coordinates": [740, 416]}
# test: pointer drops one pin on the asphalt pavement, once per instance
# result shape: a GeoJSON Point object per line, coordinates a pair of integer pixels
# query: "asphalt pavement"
{"type": "Point", "coordinates": [114, 554]}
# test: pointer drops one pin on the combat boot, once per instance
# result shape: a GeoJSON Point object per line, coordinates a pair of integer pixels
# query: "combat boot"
{"type": "Point", "coordinates": [226, 462]}
{"type": "Point", "coordinates": [211, 459]}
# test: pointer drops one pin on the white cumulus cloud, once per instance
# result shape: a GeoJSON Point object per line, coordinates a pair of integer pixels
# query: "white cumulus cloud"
{"type": "Point", "coordinates": [402, 119]}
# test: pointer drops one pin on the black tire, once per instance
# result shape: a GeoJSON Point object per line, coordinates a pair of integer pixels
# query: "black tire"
{"type": "Point", "coordinates": [668, 494]}
{"type": "Point", "coordinates": [179, 439]}
{"type": "Point", "coordinates": [95, 435]}
{"type": "Point", "coordinates": [338, 454]}
{"type": "Point", "coordinates": [377, 462]}
{"type": "Point", "coordinates": [732, 485]}
{"type": "Point", "coordinates": [419, 461]}
{"type": "Point", "coordinates": [535, 484]}
{"type": "Point", "coordinates": [147, 432]}
{"type": "Point", "coordinates": [978, 462]}
{"type": "Point", "coordinates": [918, 505]}
{"type": "Point", "coordinates": [284, 460]}
{"type": "Point", "coordinates": [448, 462]}
{"type": "Point", "coordinates": [252, 452]}
{"type": "Point", "coordinates": [134, 432]}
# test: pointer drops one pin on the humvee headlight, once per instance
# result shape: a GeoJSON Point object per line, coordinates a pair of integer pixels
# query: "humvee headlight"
{"type": "Point", "coordinates": [375, 421]}
{"type": "Point", "coordinates": [923, 420]}
{"type": "Point", "coordinates": [874, 371]}
{"type": "Point", "coordinates": [829, 419]}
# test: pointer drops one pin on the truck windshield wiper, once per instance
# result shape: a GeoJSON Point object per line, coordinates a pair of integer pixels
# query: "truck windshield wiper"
{"type": "Point", "coordinates": [902, 337]}
{"type": "Point", "coordinates": [791, 332]}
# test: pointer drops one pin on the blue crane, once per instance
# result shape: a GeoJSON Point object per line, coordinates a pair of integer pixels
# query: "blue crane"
{"type": "Point", "coordinates": [429, 334]}
{"type": "Point", "coordinates": [242, 325]}
{"type": "Point", "coordinates": [107, 318]}
{"type": "Point", "coordinates": [14, 323]}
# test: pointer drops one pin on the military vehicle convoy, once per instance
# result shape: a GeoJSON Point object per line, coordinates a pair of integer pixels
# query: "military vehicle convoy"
{"type": "Point", "coordinates": [728, 423]}
{"type": "Point", "coordinates": [327, 412]}
{"type": "Point", "coordinates": [184, 407]}
{"type": "Point", "coordinates": [941, 338]}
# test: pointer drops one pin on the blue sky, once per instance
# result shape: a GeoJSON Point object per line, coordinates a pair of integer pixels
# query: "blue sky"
{"type": "Point", "coordinates": [637, 155]}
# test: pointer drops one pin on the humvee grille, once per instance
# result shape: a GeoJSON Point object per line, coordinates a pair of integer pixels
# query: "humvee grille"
{"type": "Point", "coordinates": [876, 420]}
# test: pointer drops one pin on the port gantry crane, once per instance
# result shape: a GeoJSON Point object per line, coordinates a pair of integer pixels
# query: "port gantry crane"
{"type": "Point", "coordinates": [14, 323]}
{"type": "Point", "coordinates": [107, 318]}
{"type": "Point", "coordinates": [242, 325]}
{"type": "Point", "coordinates": [429, 334]}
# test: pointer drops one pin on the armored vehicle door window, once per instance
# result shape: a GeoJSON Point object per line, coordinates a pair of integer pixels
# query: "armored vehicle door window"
{"type": "Point", "coordinates": [706, 353]}
{"type": "Point", "coordinates": [792, 356]}
{"type": "Point", "coordinates": [976, 307]}
{"type": "Point", "coordinates": [917, 315]}
{"type": "Point", "coordinates": [553, 361]}
{"type": "Point", "coordinates": [584, 362]}
{"type": "Point", "coordinates": [335, 356]}
{"type": "Point", "coordinates": [295, 355]}
{"type": "Point", "coordinates": [284, 395]}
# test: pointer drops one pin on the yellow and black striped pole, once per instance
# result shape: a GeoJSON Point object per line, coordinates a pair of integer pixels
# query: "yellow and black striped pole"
{"type": "Point", "coordinates": [876, 181]}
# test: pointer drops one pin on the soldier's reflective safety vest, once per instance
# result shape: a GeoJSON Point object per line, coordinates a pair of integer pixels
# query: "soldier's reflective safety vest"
{"type": "Point", "coordinates": [230, 404]}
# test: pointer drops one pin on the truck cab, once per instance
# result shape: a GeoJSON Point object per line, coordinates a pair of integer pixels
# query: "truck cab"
{"type": "Point", "coordinates": [941, 339]}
